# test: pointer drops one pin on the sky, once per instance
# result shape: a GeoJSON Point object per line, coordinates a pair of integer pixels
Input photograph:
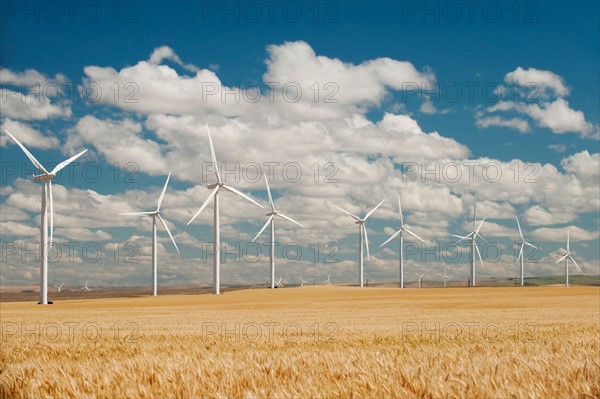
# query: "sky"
{"type": "Point", "coordinates": [445, 104]}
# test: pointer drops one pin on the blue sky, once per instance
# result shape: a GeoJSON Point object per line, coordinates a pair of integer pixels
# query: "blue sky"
{"type": "Point", "coordinates": [373, 53]}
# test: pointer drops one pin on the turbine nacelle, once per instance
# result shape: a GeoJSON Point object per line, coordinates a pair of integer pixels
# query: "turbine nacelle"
{"type": "Point", "coordinates": [44, 177]}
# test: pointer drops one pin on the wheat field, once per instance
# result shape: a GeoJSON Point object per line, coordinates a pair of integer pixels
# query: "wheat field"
{"type": "Point", "coordinates": [315, 341]}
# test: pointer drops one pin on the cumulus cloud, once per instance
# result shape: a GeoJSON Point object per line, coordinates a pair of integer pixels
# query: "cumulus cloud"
{"type": "Point", "coordinates": [26, 134]}
{"type": "Point", "coordinates": [515, 123]}
{"type": "Point", "coordinates": [30, 78]}
{"type": "Point", "coordinates": [166, 53]}
{"type": "Point", "coordinates": [543, 81]}
{"type": "Point", "coordinates": [545, 106]}
{"type": "Point", "coordinates": [31, 106]}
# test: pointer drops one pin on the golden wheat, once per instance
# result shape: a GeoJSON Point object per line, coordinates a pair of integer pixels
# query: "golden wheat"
{"type": "Point", "coordinates": [308, 342]}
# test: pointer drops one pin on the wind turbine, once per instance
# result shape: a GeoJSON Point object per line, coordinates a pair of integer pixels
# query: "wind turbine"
{"type": "Point", "coordinates": [46, 178]}
{"type": "Point", "coordinates": [521, 245]}
{"type": "Point", "coordinates": [420, 276]}
{"type": "Point", "coordinates": [155, 214]}
{"type": "Point", "coordinates": [279, 283]}
{"type": "Point", "coordinates": [472, 239]}
{"type": "Point", "coordinates": [271, 221]}
{"type": "Point", "coordinates": [399, 233]}
{"type": "Point", "coordinates": [216, 229]}
{"type": "Point", "coordinates": [328, 281]}
{"type": "Point", "coordinates": [445, 278]}
{"type": "Point", "coordinates": [566, 258]}
{"type": "Point", "coordinates": [59, 287]}
{"type": "Point", "coordinates": [302, 281]}
{"type": "Point", "coordinates": [362, 239]}
{"type": "Point", "coordinates": [85, 287]}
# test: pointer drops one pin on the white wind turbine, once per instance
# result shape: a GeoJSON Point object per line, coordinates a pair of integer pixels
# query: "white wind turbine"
{"type": "Point", "coordinates": [59, 287]}
{"type": "Point", "coordinates": [521, 245]}
{"type": "Point", "coordinates": [46, 179]}
{"type": "Point", "coordinates": [472, 239]}
{"type": "Point", "coordinates": [362, 239]}
{"type": "Point", "coordinates": [399, 233]}
{"type": "Point", "coordinates": [445, 278]}
{"type": "Point", "coordinates": [566, 258]}
{"type": "Point", "coordinates": [302, 281]}
{"type": "Point", "coordinates": [155, 214]}
{"type": "Point", "coordinates": [85, 287]}
{"type": "Point", "coordinates": [271, 221]}
{"type": "Point", "coordinates": [420, 276]}
{"type": "Point", "coordinates": [215, 187]}
{"type": "Point", "coordinates": [279, 283]}
{"type": "Point", "coordinates": [328, 281]}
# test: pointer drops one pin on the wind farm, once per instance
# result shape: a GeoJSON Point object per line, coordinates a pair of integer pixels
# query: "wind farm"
{"type": "Point", "coordinates": [300, 200]}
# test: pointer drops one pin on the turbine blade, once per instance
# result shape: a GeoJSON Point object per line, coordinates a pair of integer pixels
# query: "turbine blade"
{"type": "Point", "coordinates": [414, 235]}
{"type": "Point", "coordinates": [520, 232]}
{"type": "Point", "coordinates": [168, 231]}
{"type": "Point", "coordinates": [210, 197]}
{"type": "Point", "coordinates": [373, 210]}
{"type": "Point", "coordinates": [366, 240]}
{"type": "Point", "coordinates": [520, 252]}
{"type": "Point", "coordinates": [136, 213]}
{"type": "Point", "coordinates": [479, 253]}
{"type": "Point", "coordinates": [400, 210]}
{"type": "Point", "coordinates": [348, 213]}
{"type": "Point", "coordinates": [461, 238]}
{"type": "Point", "coordinates": [235, 191]}
{"type": "Point", "coordinates": [263, 228]}
{"type": "Point", "coordinates": [269, 192]}
{"type": "Point", "coordinates": [213, 156]}
{"type": "Point", "coordinates": [483, 238]}
{"type": "Point", "coordinates": [162, 194]}
{"type": "Point", "coordinates": [567, 240]}
{"type": "Point", "coordinates": [290, 219]}
{"type": "Point", "coordinates": [63, 164]}
{"type": "Point", "coordinates": [563, 258]}
{"type": "Point", "coordinates": [480, 224]}
{"type": "Point", "coordinates": [531, 245]}
{"type": "Point", "coordinates": [31, 157]}
{"type": "Point", "coordinates": [51, 211]}
{"type": "Point", "coordinates": [391, 238]}
{"type": "Point", "coordinates": [578, 268]}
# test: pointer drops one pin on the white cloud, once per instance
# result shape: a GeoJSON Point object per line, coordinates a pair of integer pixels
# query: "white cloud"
{"type": "Point", "coordinates": [515, 123]}
{"type": "Point", "coordinates": [538, 216]}
{"type": "Point", "coordinates": [585, 166]}
{"type": "Point", "coordinates": [166, 53]}
{"type": "Point", "coordinates": [119, 141]}
{"type": "Point", "coordinates": [30, 78]}
{"type": "Point", "coordinates": [30, 137]}
{"type": "Point", "coordinates": [556, 116]}
{"type": "Point", "coordinates": [560, 234]}
{"type": "Point", "coordinates": [545, 105]}
{"type": "Point", "coordinates": [543, 80]}
{"type": "Point", "coordinates": [31, 106]}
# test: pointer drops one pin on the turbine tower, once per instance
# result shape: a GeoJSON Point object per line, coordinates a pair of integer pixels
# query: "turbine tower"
{"type": "Point", "coordinates": [271, 221]}
{"type": "Point", "coordinates": [46, 178]}
{"type": "Point", "coordinates": [566, 258]}
{"type": "Point", "coordinates": [399, 233]}
{"type": "Point", "coordinates": [155, 214]}
{"type": "Point", "coordinates": [472, 239]}
{"type": "Point", "coordinates": [521, 245]}
{"type": "Point", "coordinates": [215, 187]}
{"type": "Point", "coordinates": [362, 239]}
{"type": "Point", "coordinates": [445, 278]}
{"type": "Point", "coordinates": [420, 276]}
